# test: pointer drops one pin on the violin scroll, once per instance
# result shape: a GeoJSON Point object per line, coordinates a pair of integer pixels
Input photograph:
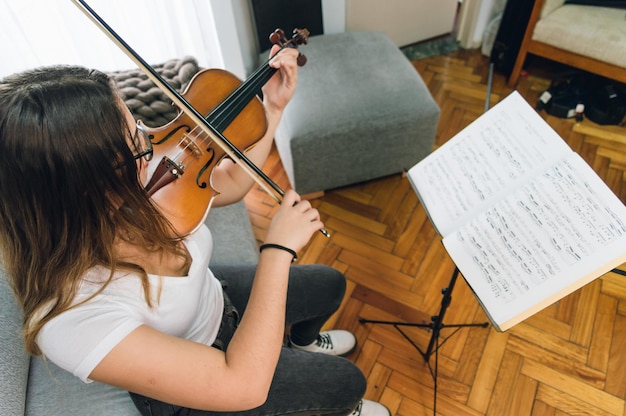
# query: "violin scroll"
{"type": "Point", "coordinates": [299, 37]}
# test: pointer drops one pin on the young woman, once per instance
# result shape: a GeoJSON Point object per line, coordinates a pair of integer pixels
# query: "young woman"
{"type": "Point", "coordinates": [107, 293]}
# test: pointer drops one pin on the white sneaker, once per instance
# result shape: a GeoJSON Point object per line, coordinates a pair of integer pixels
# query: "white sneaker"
{"type": "Point", "coordinates": [370, 408]}
{"type": "Point", "coordinates": [334, 342]}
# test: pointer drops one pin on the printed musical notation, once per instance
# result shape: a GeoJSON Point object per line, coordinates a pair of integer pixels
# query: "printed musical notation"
{"type": "Point", "coordinates": [523, 217]}
{"type": "Point", "coordinates": [483, 162]}
{"type": "Point", "coordinates": [536, 233]}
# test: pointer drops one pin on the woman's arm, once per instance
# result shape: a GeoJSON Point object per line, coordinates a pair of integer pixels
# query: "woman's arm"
{"type": "Point", "coordinates": [233, 182]}
{"type": "Point", "coordinates": [193, 375]}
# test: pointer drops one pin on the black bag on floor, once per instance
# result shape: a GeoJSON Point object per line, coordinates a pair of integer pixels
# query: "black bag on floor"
{"type": "Point", "coordinates": [574, 93]}
{"type": "Point", "coordinates": [606, 105]}
{"type": "Point", "coordinates": [566, 97]}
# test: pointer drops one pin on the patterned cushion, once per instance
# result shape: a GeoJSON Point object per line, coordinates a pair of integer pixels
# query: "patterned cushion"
{"type": "Point", "coordinates": [145, 100]}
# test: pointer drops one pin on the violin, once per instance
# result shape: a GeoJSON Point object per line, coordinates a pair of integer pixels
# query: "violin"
{"type": "Point", "coordinates": [188, 148]}
{"type": "Point", "coordinates": [184, 155]}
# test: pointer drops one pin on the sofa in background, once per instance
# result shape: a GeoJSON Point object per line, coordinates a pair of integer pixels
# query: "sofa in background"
{"type": "Point", "coordinates": [580, 33]}
{"type": "Point", "coordinates": [34, 387]}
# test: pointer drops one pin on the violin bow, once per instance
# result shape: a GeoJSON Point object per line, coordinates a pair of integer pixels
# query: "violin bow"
{"type": "Point", "coordinates": [235, 154]}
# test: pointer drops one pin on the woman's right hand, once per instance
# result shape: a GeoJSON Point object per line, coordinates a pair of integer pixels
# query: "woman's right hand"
{"type": "Point", "coordinates": [294, 223]}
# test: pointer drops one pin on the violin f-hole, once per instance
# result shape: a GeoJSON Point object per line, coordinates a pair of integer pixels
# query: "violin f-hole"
{"type": "Point", "coordinates": [200, 184]}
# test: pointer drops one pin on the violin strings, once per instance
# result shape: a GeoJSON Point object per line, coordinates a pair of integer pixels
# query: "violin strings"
{"type": "Point", "coordinates": [224, 113]}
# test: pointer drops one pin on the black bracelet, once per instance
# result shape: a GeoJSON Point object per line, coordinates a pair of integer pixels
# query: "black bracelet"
{"type": "Point", "coordinates": [278, 246]}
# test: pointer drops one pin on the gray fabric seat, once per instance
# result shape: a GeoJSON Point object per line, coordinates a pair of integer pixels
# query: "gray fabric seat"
{"type": "Point", "coordinates": [31, 386]}
{"type": "Point", "coordinates": [360, 111]}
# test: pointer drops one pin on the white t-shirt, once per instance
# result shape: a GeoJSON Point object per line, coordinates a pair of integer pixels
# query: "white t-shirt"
{"type": "Point", "coordinates": [189, 307]}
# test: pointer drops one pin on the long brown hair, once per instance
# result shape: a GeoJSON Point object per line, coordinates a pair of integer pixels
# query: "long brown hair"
{"type": "Point", "coordinates": [62, 138]}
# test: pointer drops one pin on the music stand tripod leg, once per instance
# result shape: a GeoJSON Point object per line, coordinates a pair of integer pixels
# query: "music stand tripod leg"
{"type": "Point", "coordinates": [436, 325]}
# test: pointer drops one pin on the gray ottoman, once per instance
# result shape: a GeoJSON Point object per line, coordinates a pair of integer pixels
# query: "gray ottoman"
{"type": "Point", "coordinates": [360, 111]}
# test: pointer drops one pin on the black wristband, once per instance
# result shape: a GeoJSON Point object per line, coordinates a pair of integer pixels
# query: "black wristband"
{"type": "Point", "coordinates": [279, 247]}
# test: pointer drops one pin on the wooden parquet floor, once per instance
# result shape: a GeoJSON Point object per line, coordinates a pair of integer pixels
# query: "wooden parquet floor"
{"type": "Point", "coordinates": [569, 359]}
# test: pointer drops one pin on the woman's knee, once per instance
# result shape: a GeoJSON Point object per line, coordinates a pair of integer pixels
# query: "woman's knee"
{"type": "Point", "coordinates": [321, 279]}
{"type": "Point", "coordinates": [332, 380]}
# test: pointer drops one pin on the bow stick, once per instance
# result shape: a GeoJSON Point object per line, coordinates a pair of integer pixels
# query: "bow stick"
{"type": "Point", "coordinates": [235, 154]}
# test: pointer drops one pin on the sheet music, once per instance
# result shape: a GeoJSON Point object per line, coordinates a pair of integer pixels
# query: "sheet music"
{"type": "Point", "coordinates": [500, 148]}
{"type": "Point", "coordinates": [541, 239]}
{"type": "Point", "coordinates": [523, 217]}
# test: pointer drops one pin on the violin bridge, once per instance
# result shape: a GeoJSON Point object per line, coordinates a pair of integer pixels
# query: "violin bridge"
{"type": "Point", "coordinates": [190, 145]}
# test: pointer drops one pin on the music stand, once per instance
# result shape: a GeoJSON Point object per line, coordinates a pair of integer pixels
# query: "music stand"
{"type": "Point", "coordinates": [436, 324]}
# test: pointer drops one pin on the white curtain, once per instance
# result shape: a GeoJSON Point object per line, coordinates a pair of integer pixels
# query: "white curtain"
{"type": "Point", "coordinates": [46, 32]}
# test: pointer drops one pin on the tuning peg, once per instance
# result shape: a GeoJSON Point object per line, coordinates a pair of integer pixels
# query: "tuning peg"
{"type": "Point", "coordinates": [278, 37]}
{"type": "Point", "coordinates": [300, 36]}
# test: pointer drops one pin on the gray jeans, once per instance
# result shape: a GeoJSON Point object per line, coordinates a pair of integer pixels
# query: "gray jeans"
{"type": "Point", "coordinates": [304, 383]}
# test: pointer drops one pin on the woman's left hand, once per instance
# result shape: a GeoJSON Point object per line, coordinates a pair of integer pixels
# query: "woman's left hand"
{"type": "Point", "coordinates": [230, 180]}
{"type": "Point", "coordinates": [280, 88]}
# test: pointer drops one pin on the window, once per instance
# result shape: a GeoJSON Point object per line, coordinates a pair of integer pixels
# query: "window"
{"type": "Point", "coordinates": [36, 33]}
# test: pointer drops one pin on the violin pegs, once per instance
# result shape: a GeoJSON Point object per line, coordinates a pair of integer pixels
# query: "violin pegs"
{"type": "Point", "coordinates": [301, 36]}
{"type": "Point", "coordinates": [274, 38]}
{"type": "Point", "coordinates": [278, 37]}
